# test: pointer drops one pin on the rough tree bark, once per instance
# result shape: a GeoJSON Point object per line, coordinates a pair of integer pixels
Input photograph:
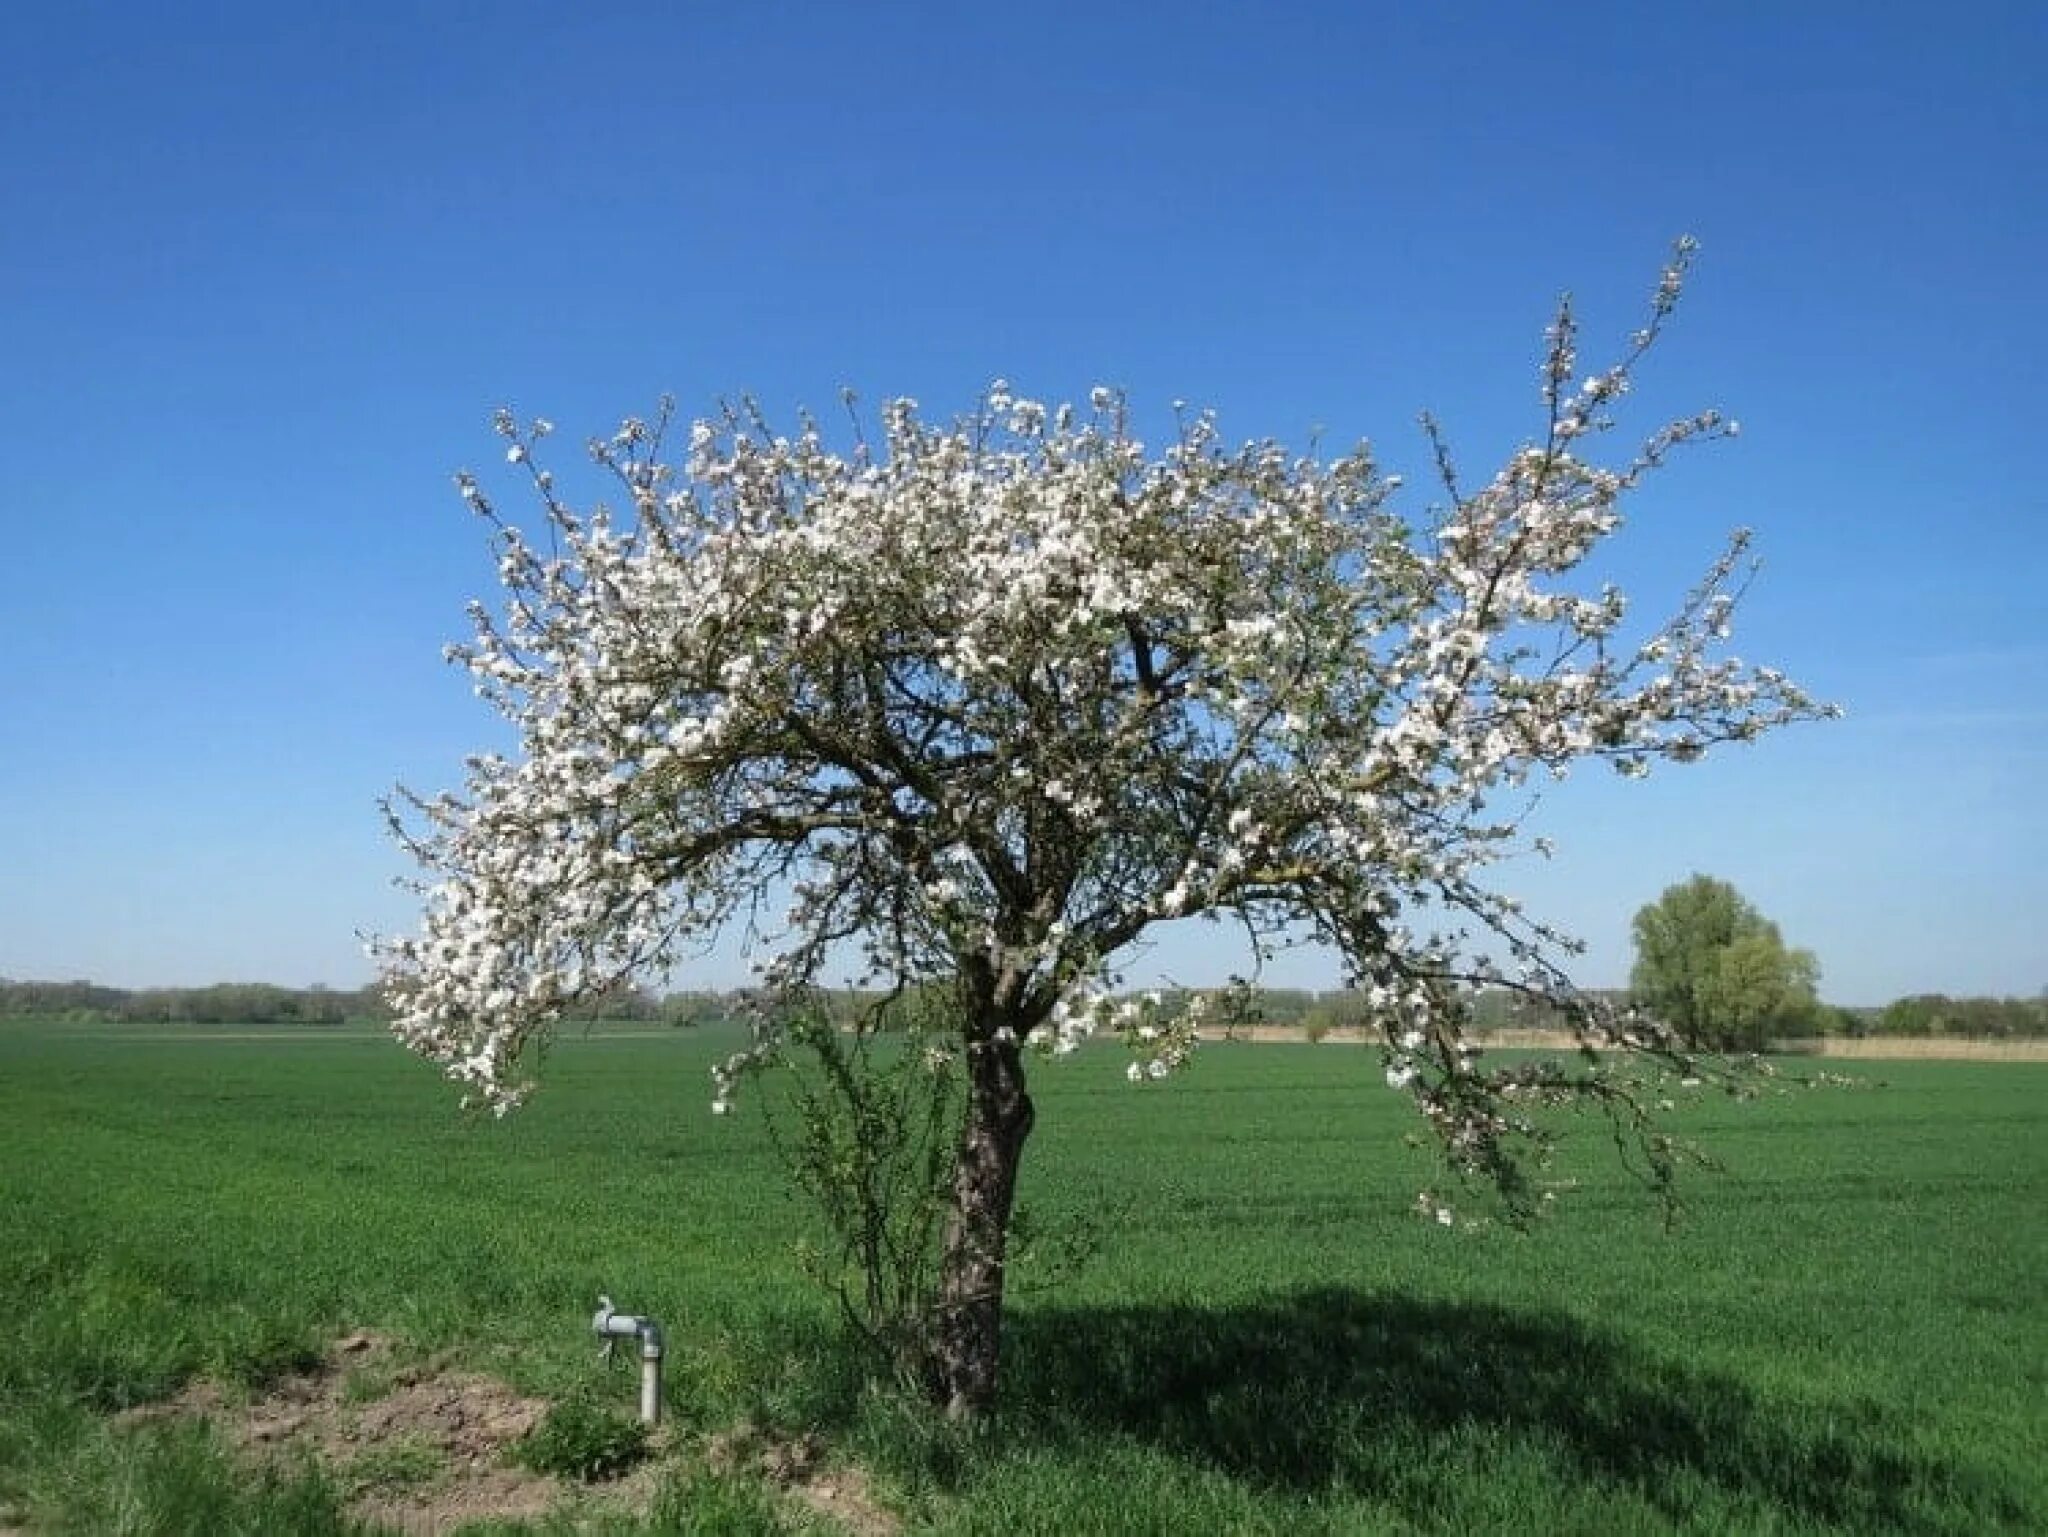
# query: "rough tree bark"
{"type": "Point", "coordinates": [966, 1342]}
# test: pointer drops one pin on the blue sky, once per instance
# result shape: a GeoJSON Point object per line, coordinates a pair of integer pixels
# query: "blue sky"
{"type": "Point", "coordinates": [266, 271]}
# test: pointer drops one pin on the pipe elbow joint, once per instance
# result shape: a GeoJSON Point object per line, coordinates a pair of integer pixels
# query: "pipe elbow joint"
{"type": "Point", "coordinates": [609, 1323]}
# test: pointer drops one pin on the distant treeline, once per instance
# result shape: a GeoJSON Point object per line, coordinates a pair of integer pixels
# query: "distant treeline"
{"type": "Point", "coordinates": [1923, 1014]}
{"type": "Point", "coordinates": [261, 1003]}
{"type": "Point", "coordinates": [1979, 1018]}
{"type": "Point", "coordinates": [224, 1003]}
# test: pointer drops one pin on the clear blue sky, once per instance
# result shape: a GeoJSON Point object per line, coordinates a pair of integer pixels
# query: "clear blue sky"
{"type": "Point", "coordinates": [267, 269]}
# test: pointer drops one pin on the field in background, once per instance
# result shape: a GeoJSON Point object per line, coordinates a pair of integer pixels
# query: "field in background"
{"type": "Point", "coordinates": [1921, 1049]}
{"type": "Point", "coordinates": [1848, 1333]}
{"type": "Point", "coordinates": [1942, 1048]}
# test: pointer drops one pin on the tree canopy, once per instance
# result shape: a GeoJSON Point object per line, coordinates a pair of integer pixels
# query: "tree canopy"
{"type": "Point", "coordinates": [1717, 970]}
{"type": "Point", "coordinates": [992, 698]}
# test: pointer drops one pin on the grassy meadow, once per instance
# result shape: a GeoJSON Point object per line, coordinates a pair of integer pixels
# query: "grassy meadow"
{"type": "Point", "coordinates": [1848, 1331]}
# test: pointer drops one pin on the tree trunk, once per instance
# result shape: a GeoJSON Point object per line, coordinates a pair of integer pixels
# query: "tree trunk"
{"type": "Point", "coordinates": [967, 1338]}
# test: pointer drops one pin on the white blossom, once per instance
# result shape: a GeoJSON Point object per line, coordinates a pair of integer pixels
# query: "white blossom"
{"type": "Point", "coordinates": [989, 699]}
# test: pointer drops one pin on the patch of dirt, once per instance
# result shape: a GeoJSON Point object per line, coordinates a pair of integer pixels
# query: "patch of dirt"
{"type": "Point", "coordinates": [842, 1495]}
{"type": "Point", "coordinates": [421, 1448]}
{"type": "Point", "coordinates": [418, 1447]}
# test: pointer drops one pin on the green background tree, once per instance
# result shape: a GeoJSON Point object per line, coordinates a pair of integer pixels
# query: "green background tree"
{"type": "Point", "coordinates": [1718, 971]}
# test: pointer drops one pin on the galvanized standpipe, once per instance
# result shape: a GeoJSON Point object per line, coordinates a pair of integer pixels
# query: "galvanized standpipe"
{"type": "Point", "coordinates": [611, 1326]}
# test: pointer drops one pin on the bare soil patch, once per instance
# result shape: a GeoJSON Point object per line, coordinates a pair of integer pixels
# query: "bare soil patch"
{"type": "Point", "coordinates": [422, 1448]}
{"type": "Point", "coordinates": [417, 1446]}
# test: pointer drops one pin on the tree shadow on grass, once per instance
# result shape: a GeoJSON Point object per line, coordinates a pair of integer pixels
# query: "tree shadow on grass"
{"type": "Point", "coordinates": [1340, 1391]}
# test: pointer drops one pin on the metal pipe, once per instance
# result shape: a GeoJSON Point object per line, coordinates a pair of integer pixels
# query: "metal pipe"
{"type": "Point", "coordinates": [611, 1326]}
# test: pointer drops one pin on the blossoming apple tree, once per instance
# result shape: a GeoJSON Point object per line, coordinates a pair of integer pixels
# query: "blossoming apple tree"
{"type": "Point", "coordinates": [988, 700]}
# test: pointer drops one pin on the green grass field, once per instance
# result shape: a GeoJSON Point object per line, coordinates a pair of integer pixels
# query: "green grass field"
{"type": "Point", "coordinates": [1848, 1333]}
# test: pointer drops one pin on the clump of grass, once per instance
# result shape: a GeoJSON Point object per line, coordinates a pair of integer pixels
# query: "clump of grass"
{"type": "Point", "coordinates": [179, 1477]}
{"type": "Point", "coordinates": [706, 1500]}
{"type": "Point", "coordinates": [405, 1463]}
{"type": "Point", "coordinates": [581, 1441]}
